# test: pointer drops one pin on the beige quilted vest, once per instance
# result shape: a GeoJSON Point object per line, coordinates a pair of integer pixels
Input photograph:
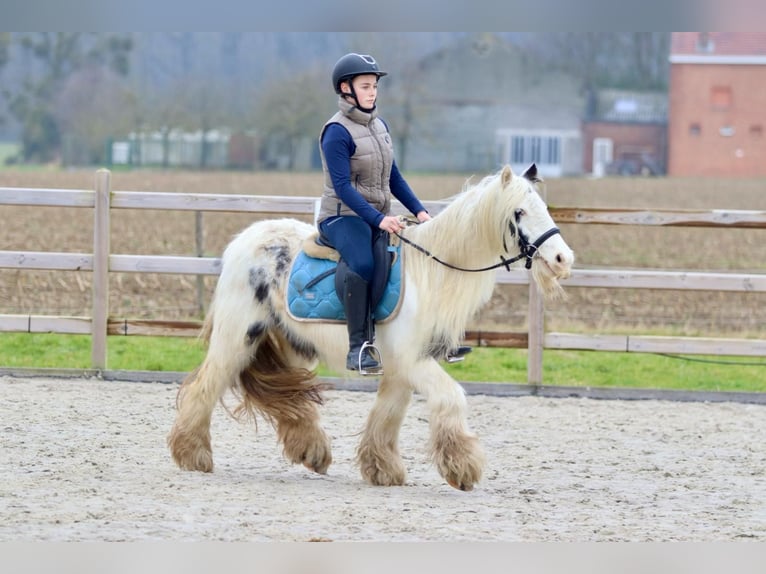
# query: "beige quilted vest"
{"type": "Point", "coordinates": [370, 165]}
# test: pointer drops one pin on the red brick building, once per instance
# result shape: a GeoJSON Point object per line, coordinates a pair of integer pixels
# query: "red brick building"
{"type": "Point", "coordinates": [717, 104]}
{"type": "Point", "coordinates": [625, 133]}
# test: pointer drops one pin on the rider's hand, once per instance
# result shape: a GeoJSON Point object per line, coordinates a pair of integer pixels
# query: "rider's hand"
{"type": "Point", "coordinates": [391, 224]}
{"type": "Point", "coordinates": [423, 216]}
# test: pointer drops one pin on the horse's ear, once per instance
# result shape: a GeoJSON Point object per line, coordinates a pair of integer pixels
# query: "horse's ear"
{"type": "Point", "coordinates": [506, 175]}
{"type": "Point", "coordinates": [531, 173]}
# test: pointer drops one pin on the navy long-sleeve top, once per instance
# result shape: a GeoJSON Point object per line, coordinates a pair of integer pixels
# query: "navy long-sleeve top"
{"type": "Point", "coordinates": [338, 147]}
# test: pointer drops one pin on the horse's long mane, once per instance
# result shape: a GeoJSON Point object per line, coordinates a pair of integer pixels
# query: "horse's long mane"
{"type": "Point", "coordinates": [468, 233]}
{"type": "Point", "coordinates": [472, 226]}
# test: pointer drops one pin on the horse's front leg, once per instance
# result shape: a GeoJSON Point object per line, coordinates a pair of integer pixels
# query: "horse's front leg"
{"type": "Point", "coordinates": [455, 450]}
{"type": "Point", "coordinates": [378, 453]}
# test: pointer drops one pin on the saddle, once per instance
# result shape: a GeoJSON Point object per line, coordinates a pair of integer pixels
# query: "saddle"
{"type": "Point", "coordinates": [317, 276]}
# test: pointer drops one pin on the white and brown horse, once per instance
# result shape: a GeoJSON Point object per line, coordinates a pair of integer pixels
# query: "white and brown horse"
{"type": "Point", "coordinates": [267, 358]}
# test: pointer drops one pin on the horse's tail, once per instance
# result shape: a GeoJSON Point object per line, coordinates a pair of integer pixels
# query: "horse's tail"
{"type": "Point", "coordinates": [269, 384]}
{"type": "Point", "coordinates": [275, 389]}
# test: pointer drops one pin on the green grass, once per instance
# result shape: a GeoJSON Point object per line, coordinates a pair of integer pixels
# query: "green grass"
{"type": "Point", "coordinates": [565, 368]}
{"type": "Point", "coordinates": [7, 150]}
{"type": "Point", "coordinates": [123, 353]}
{"type": "Point", "coordinates": [612, 369]}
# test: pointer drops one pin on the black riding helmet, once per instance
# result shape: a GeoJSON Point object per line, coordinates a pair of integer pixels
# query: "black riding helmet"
{"type": "Point", "coordinates": [352, 65]}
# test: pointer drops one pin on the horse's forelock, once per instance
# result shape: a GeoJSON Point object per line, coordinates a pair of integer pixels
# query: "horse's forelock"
{"type": "Point", "coordinates": [493, 200]}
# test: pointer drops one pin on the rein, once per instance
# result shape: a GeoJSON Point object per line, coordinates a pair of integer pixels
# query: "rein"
{"type": "Point", "coordinates": [528, 251]}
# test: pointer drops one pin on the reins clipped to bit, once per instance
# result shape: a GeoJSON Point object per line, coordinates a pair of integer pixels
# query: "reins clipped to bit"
{"type": "Point", "coordinates": [528, 251]}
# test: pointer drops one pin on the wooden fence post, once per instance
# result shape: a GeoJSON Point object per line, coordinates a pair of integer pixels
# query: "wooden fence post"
{"type": "Point", "coordinates": [100, 291]}
{"type": "Point", "coordinates": [199, 242]}
{"type": "Point", "coordinates": [536, 336]}
{"type": "Point", "coordinates": [536, 321]}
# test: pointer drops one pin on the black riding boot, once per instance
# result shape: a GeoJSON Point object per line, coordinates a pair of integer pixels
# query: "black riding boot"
{"type": "Point", "coordinates": [356, 301]}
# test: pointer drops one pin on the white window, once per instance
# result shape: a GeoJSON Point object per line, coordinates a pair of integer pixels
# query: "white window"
{"type": "Point", "coordinates": [555, 152]}
{"type": "Point", "coordinates": [526, 149]}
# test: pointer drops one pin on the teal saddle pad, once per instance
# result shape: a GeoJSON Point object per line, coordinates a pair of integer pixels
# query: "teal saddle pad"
{"type": "Point", "coordinates": [311, 289]}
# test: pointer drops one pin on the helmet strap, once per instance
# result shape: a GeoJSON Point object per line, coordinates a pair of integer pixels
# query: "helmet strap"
{"type": "Point", "coordinates": [350, 83]}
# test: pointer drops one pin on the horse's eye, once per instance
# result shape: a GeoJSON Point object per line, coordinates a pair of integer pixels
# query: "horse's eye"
{"type": "Point", "coordinates": [518, 213]}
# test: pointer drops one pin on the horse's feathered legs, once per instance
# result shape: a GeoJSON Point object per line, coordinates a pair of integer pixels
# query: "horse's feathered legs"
{"type": "Point", "coordinates": [378, 453]}
{"type": "Point", "coordinates": [189, 439]}
{"type": "Point", "coordinates": [255, 357]}
{"type": "Point", "coordinates": [280, 386]}
{"type": "Point", "coordinates": [455, 450]}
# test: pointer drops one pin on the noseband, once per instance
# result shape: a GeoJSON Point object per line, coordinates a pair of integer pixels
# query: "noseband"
{"type": "Point", "coordinates": [527, 250]}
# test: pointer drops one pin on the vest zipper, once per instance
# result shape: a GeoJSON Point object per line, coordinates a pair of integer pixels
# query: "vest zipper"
{"type": "Point", "coordinates": [373, 135]}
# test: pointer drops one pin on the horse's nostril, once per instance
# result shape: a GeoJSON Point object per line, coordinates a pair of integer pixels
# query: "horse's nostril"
{"type": "Point", "coordinates": [559, 258]}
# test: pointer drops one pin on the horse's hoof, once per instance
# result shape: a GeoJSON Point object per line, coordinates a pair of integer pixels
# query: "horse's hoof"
{"type": "Point", "coordinates": [315, 456]}
{"type": "Point", "coordinates": [459, 486]}
{"type": "Point", "coordinates": [380, 479]}
{"type": "Point", "coordinates": [392, 473]}
{"type": "Point", "coordinates": [190, 451]}
{"type": "Point", "coordinates": [200, 462]}
{"type": "Point", "coordinates": [319, 464]}
{"type": "Point", "coordinates": [459, 460]}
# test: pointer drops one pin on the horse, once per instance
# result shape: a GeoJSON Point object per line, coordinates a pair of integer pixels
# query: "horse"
{"type": "Point", "coordinates": [267, 359]}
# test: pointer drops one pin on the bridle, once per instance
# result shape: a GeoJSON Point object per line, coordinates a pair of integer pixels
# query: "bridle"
{"type": "Point", "coordinates": [527, 250]}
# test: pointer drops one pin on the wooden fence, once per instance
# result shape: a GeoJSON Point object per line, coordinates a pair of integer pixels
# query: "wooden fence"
{"type": "Point", "coordinates": [101, 262]}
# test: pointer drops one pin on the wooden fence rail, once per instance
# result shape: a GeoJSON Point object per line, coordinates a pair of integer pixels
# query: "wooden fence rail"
{"type": "Point", "coordinates": [101, 262]}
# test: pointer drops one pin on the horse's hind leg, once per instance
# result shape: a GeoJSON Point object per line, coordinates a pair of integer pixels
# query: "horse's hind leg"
{"type": "Point", "coordinates": [455, 450]}
{"type": "Point", "coordinates": [289, 396]}
{"type": "Point", "coordinates": [378, 454]}
{"type": "Point", "coordinates": [304, 441]}
{"type": "Point", "coordinates": [189, 439]}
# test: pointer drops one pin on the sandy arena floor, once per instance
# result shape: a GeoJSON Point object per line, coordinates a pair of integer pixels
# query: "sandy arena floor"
{"type": "Point", "coordinates": [85, 460]}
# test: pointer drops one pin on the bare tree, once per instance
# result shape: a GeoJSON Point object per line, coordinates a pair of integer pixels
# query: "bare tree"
{"type": "Point", "coordinates": [58, 55]}
{"type": "Point", "coordinates": [292, 109]}
{"type": "Point", "coordinates": [92, 105]}
{"type": "Point", "coordinates": [5, 42]}
{"type": "Point", "coordinates": [188, 98]}
{"type": "Point", "coordinates": [630, 60]}
{"type": "Point", "coordinates": [650, 67]}
{"type": "Point", "coordinates": [403, 96]}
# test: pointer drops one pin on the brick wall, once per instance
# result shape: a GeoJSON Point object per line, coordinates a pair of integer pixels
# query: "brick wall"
{"type": "Point", "coordinates": [629, 140]}
{"type": "Point", "coordinates": [717, 120]}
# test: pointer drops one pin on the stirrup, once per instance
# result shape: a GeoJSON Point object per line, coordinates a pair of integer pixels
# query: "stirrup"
{"type": "Point", "coordinates": [458, 354]}
{"type": "Point", "coordinates": [375, 355]}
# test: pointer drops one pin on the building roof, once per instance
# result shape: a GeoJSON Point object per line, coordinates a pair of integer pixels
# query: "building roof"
{"type": "Point", "coordinates": [625, 106]}
{"type": "Point", "coordinates": [718, 48]}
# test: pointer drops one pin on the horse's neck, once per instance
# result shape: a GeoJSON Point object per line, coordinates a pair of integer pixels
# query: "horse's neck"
{"type": "Point", "coordinates": [451, 297]}
{"type": "Point", "coordinates": [455, 237]}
